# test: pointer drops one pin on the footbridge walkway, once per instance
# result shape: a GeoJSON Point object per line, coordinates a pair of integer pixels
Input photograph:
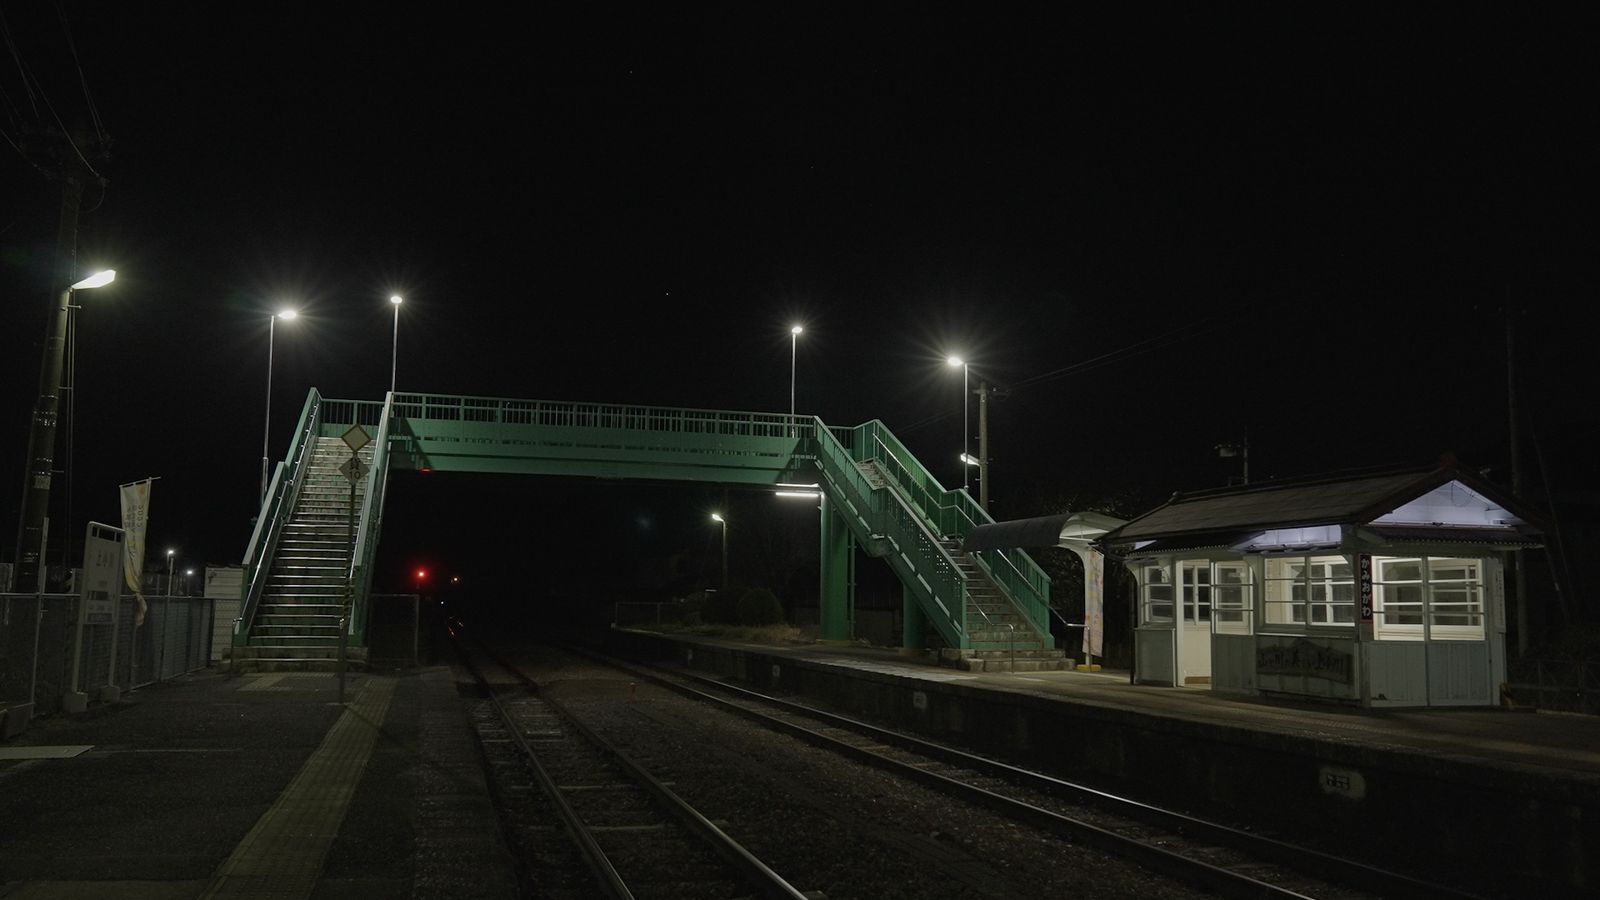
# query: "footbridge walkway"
{"type": "Point", "coordinates": [308, 566]}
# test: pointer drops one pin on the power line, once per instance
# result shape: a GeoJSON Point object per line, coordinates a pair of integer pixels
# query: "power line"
{"type": "Point", "coordinates": [1139, 348]}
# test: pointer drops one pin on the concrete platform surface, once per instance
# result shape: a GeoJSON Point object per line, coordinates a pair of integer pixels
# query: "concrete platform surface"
{"type": "Point", "coordinates": [218, 785]}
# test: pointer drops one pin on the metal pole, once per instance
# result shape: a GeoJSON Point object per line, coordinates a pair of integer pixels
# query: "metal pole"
{"type": "Point", "coordinates": [272, 324]}
{"type": "Point", "coordinates": [38, 624]}
{"type": "Point", "coordinates": [724, 554]}
{"type": "Point", "coordinates": [983, 444]}
{"type": "Point", "coordinates": [349, 582]}
{"type": "Point", "coordinates": [394, 358]}
{"type": "Point", "coordinates": [166, 620]}
{"type": "Point", "coordinates": [794, 345]}
{"type": "Point", "coordinates": [964, 429]}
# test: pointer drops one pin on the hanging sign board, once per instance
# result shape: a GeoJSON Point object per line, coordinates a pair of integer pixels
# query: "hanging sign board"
{"type": "Point", "coordinates": [1364, 587]}
{"type": "Point", "coordinates": [1094, 605]}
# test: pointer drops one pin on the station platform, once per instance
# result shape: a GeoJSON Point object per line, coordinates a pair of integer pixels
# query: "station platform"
{"type": "Point", "coordinates": [1504, 799]}
{"type": "Point", "coordinates": [254, 786]}
{"type": "Point", "coordinates": [265, 786]}
{"type": "Point", "coordinates": [1559, 744]}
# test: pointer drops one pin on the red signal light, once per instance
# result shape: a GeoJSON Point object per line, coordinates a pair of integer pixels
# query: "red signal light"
{"type": "Point", "coordinates": [422, 575]}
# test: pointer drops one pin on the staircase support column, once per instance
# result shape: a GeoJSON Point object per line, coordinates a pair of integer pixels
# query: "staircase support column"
{"type": "Point", "coordinates": [835, 600]}
{"type": "Point", "coordinates": [913, 624]}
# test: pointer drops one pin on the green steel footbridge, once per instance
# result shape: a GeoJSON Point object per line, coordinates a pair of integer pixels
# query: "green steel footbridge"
{"type": "Point", "coordinates": [308, 566]}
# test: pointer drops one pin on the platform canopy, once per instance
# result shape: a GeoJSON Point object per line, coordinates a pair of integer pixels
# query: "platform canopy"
{"type": "Point", "coordinates": [1071, 530]}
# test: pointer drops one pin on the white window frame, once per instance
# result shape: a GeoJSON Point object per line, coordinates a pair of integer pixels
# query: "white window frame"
{"type": "Point", "coordinates": [1316, 598]}
{"type": "Point", "coordinates": [1194, 577]}
{"type": "Point", "coordinates": [1233, 602]}
{"type": "Point", "coordinates": [1156, 592]}
{"type": "Point", "coordinates": [1441, 600]}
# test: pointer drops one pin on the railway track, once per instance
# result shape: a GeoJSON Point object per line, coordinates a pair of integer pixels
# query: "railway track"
{"type": "Point", "coordinates": [629, 834]}
{"type": "Point", "coordinates": [1215, 858]}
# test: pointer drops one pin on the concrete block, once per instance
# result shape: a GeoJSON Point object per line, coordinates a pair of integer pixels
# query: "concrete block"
{"type": "Point", "coordinates": [74, 702]}
{"type": "Point", "coordinates": [110, 694]}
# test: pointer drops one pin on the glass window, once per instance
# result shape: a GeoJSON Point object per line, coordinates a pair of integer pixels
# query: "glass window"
{"type": "Point", "coordinates": [1397, 596]}
{"type": "Point", "coordinates": [1231, 597]}
{"type": "Point", "coordinates": [1156, 584]}
{"type": "Point", "coordinates": [1455, 598]}
{"type": "Point", "coordinates": [1447, 591]}
{"type": "Point", "coordinates": [1310, 590]}
{"type": "Point", "coordinates": [1196, 576]}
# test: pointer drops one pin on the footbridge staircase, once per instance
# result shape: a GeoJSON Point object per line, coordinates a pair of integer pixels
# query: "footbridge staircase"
{"type": "Point", "coordinates": [308, 566]}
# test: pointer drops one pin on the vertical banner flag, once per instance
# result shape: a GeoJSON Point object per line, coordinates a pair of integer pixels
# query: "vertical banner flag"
{"type": "Point", "coordinates": [135, 516]}
{"type": "Point", "coordinates": [1094, 603]}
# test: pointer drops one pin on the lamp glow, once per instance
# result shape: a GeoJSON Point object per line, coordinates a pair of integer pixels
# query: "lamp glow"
{"type": "Point", "coordinates": [98, 279]}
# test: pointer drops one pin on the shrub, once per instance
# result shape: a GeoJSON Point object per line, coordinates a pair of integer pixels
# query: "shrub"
{"type": "Point", "coordinates": [759, 606]}
{"type": "Point", "coordinates": [721, 607]}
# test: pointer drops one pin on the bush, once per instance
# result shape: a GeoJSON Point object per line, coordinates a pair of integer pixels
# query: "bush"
{"type": "Point", "coordinates": [759, 606]}
{"type": "Point", "coordinates": [721, 607]}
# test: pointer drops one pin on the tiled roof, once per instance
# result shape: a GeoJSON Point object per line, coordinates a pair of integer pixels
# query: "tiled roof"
{"type": "Point", "coordinates": [1274, 505]}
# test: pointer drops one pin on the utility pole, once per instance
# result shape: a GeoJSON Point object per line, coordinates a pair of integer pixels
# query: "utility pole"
{"type": "Point", "coordinates": [1518, 556]}
{"type": "Point", "coordinates": [983, 443]}
{"type": "Point", "coordinates": [986, 390]}
{"type": "Point", "coordinates": [68, 161]}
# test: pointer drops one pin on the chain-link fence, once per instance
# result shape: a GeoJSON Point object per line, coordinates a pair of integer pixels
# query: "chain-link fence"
{"type": "Point", "coordinates": [44, 657]}
{"type": "Point", "coordinates": [1569, 685]}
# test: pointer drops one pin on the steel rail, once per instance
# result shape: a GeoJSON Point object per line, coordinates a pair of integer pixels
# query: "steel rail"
{"type": "Point", "coordinates": [747, 865]}
{"type": "Point", "coordinates": [1307, 861]}
{"type": "Point", "coordinates": [599, 863]}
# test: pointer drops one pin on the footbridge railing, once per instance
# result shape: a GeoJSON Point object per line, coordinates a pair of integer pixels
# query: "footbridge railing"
{"type": "Point", "coordinates": [953, 513]}
{"type": "Point", "coordinates": [889, 527]}
{"type": "Point", "coordinates": [287, 477]}
{"type": "Point", "coordinates": [905, 524]}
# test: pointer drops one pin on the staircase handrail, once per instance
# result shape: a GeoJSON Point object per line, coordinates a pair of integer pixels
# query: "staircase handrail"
{"type": "Point", "coordinates": [934, 571]}
{"type": "Point", "coordinates": [954, 513]}
{"type": "Point", "coordinates": [371, 514]}
{"type": "Point", "coordinates": [279, 505]}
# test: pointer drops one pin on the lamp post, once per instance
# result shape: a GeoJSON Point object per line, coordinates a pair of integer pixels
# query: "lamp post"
{"type": "Point", "coordinates": [958, 362]}
{"type": "Point", "coordinates": [717, 517]}
{"type": "Point", "coordinates": [31, 535]}
{"type": "Point", "coordinates": [272, 322]}
{"type": "Point", "coordinates": [794, 345]}
{"type": "Point", "coordinates": [394, 358]}
{"type": "Point", "coordinates": [187, 574]}
{"type": "Point", "coordinates": [170, 553]}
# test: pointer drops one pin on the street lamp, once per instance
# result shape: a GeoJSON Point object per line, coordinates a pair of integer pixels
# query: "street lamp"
{"type": "Point", "coordinates": [272, 321]}
{"type": "Point", "coordinates": [394, 364]}
{"type": "Point", "coordinates": [717, 517]}
{"type": "Point", "coordinates": [187, 574]}
{"type": "Point", "coordinates": [958, 362]}
{"type": "Point", "coordinates": [170, 553]}
{"type": "Point", "coordinates": [29, 570]}
{"type": "Point", "coordinates": [794, 343]}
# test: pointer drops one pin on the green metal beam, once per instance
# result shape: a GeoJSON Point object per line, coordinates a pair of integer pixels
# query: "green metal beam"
{"type": "Point", "coordinates": [876, 495]}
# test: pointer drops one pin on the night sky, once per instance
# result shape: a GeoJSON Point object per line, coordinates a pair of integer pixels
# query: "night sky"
{"type": "Point", "coordinates": [1162, 230]}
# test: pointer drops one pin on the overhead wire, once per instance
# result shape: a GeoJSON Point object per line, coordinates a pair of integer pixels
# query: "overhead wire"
{"type": "Point", "coordinates": [83, 81]}
{"type": "Point", "coordinates": [36, 97]}
{"type": "Point", "coordinates": [1138, 348]}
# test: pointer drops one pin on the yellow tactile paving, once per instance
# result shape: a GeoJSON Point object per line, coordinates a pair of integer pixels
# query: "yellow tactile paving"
{"type": "Point", "coordinates": [282, 855]}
